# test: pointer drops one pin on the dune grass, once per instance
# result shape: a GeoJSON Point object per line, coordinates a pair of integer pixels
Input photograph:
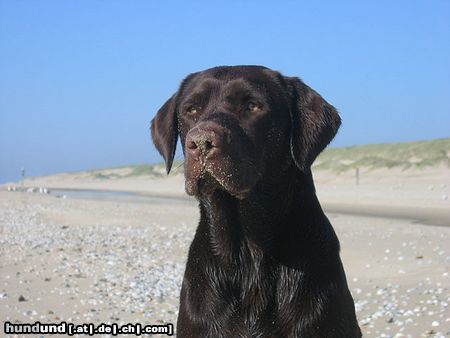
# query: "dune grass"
{"type": "Point", "coordinates": [420, 154]}
{"type": "Point", "coordinates": [154, 169]}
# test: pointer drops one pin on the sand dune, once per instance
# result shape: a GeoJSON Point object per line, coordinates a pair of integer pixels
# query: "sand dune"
{"type": "Point", "coordinates": [418, 194]}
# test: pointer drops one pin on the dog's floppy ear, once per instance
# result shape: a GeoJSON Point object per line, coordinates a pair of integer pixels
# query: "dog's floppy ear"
{"type": "Point", "coordinates": [164, 131]}
{"type": "Point", "coordinates": [164, 126]}
{"type": "Point", "coordinates": [314, 122]}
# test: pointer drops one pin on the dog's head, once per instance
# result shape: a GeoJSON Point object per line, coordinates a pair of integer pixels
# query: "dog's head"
{"type": "Point", "coordinates": [239, 124]}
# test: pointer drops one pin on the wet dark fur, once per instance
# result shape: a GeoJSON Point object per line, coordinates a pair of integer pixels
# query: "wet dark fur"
{"type": "Point", "coordinates": [265, 260]}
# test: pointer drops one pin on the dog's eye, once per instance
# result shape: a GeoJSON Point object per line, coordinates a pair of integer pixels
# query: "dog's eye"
{"type": "Point", "coordinates": [253, 107]}
{"type": "Point", "coordinates": [194, 110]}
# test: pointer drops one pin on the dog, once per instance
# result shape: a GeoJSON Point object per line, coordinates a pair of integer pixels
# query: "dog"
{"type": "Point", "coordinates": [264, 261]}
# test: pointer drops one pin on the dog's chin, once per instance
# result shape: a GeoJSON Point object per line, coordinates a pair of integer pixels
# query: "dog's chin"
{"type": "Point", "coordinates": [206, 185]}
{"type": "Point", "coordinates": [203, 185]}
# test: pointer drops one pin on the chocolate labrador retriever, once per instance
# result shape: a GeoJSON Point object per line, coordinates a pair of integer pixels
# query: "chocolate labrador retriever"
{"type": "Point", "coordinates": [264, 261]}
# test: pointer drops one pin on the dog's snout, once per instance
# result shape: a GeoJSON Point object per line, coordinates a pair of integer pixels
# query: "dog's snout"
{"type": "Point", "coordinates": [204, 142]}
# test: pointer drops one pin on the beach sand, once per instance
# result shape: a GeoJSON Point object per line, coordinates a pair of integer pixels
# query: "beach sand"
{"type": "Point", "coordinates": [87, 260]}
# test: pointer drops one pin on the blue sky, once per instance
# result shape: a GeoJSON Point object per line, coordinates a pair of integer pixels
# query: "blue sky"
{"type": "Point", "coordinates": [80, 80]}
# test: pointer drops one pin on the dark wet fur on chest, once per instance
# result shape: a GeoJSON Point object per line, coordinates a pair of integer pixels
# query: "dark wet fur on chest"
{"type": "Point", "coordinates": [265, 283]}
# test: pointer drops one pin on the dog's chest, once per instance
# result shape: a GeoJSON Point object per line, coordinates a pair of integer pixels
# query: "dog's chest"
{"type": "Point", "coordinates": [253, 287]}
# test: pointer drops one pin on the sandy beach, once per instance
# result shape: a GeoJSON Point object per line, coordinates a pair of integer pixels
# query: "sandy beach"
{"type": "Point", "coordinates": [85, 259]}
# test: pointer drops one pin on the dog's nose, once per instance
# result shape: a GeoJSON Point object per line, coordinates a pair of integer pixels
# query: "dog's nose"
{"type": "Point", "coordinates": [203, 142]}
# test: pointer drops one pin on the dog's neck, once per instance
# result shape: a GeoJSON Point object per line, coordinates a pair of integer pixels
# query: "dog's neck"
{"type": "Point", "coordinates": [259, 220]}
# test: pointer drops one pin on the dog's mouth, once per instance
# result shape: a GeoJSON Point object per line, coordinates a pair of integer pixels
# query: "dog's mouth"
{"type": "Point", "coordinates": [208, 180]}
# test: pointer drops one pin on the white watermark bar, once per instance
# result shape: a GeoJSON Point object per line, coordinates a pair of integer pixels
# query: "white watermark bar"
{"type": "Point", "coordinates": [91, 329]}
